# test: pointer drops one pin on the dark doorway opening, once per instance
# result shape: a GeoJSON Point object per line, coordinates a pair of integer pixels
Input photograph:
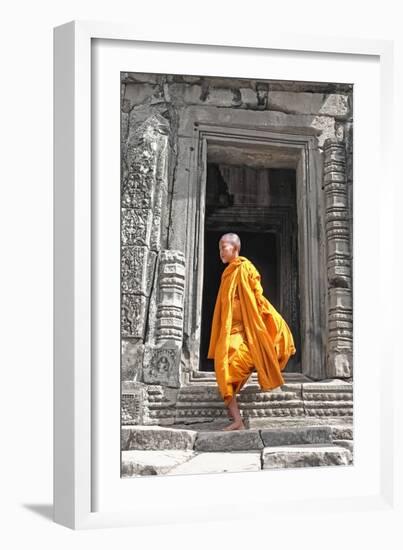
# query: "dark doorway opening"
{"type": "Point", "coordinates": [259, 205]}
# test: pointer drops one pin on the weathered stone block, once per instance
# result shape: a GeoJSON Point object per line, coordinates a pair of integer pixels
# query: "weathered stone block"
{"type": "Point", "coordinates": [336, 105]}
{"type": "Point", "coordinates": [133, 315]}
{"type": "Point", "coordinates": [185, 93]}
{"type": "Point", "coordinates": [305, 421]}
{"type": "Point", "coordinates": [147, 438]}
{"type": "Point", "coordinates": [219, 97]}
{"type": "Point", "coordinates": [300, 456]}
{"type": "Point", "coordinates": [326, 126]}
{"type": "Point", "coordinates": [133, 274]}
{"type": "Point", "coordinates": [139, 77]}
{"type": "Point", "coordinates": [340, 363]}
{"type": "Point", "coordinates": [249, 98]}
{"type": "Point", "coordinates": [143, 463]}
{"type": "Point", "coordinates": [161, 405]}
{"type": "Point", "coordinates": [133, 404]}
{"type": "Point", "coordinates": [309, 103]}
{"type": "Point", "coordinates": [136, 226]}
{"type": "Point", "coordinates": [162, 365]}
{"type": "Point", "coordinates": [330, 385]}
{"type": "Point", "coordinates": [243, 440]}
{"type": "Point", "coordinates": [138, 93]}
{"type": "Point", "coordinates": [132, 359]}
{"type": "Point", "coordinates": [135, 192]}
{"type": "Point", "coordinates": [296, 436]}
{"type": "Point", "coordinates": [342, 432]}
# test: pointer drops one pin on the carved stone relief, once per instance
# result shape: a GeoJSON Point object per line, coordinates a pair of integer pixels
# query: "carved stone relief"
{"type": "Point", "coordinates": [134, 405]}
{"type": "Point", "coordinates": [143, 192]}
{"type": "Point", "coordinates": [143, 196]}
{"type": "Point", "coordinates": [161, 366]}
{"type": "Point", "coordinates": [133, 307]}
{"type": "Point", "coordinates": [163, 353]}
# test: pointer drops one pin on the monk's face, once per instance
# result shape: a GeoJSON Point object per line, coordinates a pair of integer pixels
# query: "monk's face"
{"type": "Point", "coordinates": [228, 250]}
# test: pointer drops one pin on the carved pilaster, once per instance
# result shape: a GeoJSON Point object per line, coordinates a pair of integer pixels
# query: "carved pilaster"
{"type": "Point", "coordinates": [339, 264]}
{"type": "Point", "coordinates": [163, 354]}
{"type": "Point", "coordinates": [170, 305]}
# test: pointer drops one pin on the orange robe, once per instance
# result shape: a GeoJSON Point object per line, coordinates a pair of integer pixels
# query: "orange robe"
{"type": "Point", "coordinates": [247, 332]}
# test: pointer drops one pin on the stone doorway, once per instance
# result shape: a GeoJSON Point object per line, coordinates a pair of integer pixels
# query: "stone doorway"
{"type": "Point", "coordinates": [255, 156]}
{"type": "Point", "coordinates": [260, 206]}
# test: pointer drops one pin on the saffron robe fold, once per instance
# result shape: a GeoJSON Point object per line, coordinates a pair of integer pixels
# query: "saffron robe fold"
{"type": "Point", "coordinates": [269, 341]}
{"type": "Point", "coordinates": [240, 363]}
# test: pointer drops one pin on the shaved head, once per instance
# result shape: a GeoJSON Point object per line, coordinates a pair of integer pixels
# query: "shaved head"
{"type": "Point", "coordinates": [232, 238]}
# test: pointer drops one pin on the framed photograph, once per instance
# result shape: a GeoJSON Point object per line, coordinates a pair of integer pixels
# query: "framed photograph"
{"type": "Point", "coordinates": [218, 209]}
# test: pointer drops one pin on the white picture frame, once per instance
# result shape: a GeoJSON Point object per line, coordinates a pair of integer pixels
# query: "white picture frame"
{"type": "Point", "coordinates": [87, 493]}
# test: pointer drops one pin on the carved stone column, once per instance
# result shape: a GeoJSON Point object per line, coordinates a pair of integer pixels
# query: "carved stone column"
{"type": "Point", "coordinates": [144, 194]}
{"type": "Point", "coordinates": [339, 262]}
{"type": "Point", "coordinates": [163, 352]}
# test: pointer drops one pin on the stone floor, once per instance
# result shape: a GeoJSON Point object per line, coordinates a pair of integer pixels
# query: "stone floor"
{"type": "Point", "coordinates": [267, 443]}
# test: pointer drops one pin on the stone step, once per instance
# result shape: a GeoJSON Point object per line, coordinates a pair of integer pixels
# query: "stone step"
{"type": "Point", "coordinates": [177, 462]}
{"type": "Point", "coordinates": [156, 438]}
{"type": "Point", "coordinates": [154, 404]}
{"type": "Point", "coordinates": [296, 436]}
{"type": "Point", "coordinates": [297, 456]}
{"type": "Point", "coordinates": [342, 428]}
{"type": "Point", "coordinates": [242, 440]}
{"type": "Point", "coordinates": [159, 438]}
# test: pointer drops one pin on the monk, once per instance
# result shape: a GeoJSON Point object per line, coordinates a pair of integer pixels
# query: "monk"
{"type": "Point", "coordinates": [247, 332]}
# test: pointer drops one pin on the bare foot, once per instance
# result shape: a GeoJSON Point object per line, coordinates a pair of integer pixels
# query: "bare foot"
{"type": "Point", "coordinates": [239, 425]}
